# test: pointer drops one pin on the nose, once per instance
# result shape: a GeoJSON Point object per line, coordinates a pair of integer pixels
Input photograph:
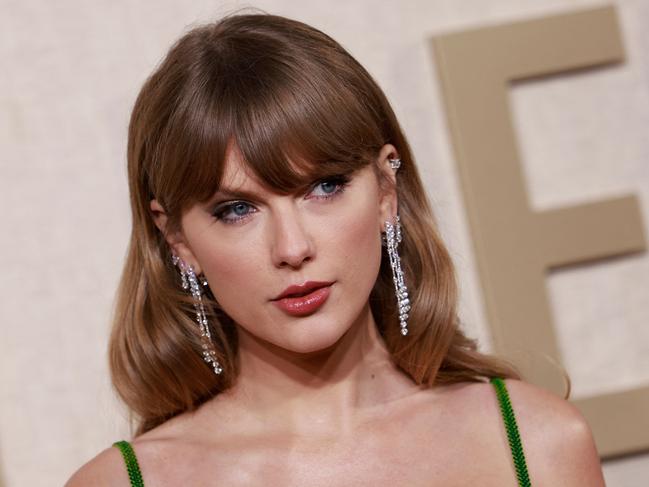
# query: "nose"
{"type": "Point", "coordinates": [292, 246]}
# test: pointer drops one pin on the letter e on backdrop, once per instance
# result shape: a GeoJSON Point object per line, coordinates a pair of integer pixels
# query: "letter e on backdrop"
{"type": "Point", "coordinates": [514, 245]}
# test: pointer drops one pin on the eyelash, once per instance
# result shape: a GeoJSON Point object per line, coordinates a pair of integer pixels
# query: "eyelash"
{"type": "Point", "coordinates": [341, 182]}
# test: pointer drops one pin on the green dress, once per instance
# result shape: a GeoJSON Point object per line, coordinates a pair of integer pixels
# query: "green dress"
{"type": "Point", "coordinates": [505, 408]}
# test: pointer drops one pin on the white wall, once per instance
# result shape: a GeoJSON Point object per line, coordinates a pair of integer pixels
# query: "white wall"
{"type": "Point", "coordinates": [70, 73]}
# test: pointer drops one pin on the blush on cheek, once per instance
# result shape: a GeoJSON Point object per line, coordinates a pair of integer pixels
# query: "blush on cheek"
{"type": "Point", "coordinates": [359, 243]}
{"type": "Point", "coordinates": [230, 276]}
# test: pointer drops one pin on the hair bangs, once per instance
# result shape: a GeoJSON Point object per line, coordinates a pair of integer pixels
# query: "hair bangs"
{"type": "Point", "coordinates": [294, 123]}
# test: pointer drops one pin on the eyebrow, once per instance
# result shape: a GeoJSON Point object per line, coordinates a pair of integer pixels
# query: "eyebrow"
{"type": "Point", "coordinates": [234, 193]}
{"type": "Point", "coordinates": [231, 193]}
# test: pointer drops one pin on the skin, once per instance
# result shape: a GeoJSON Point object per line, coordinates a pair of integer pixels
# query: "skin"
{"type": "Point", "coordinates": [318, 401]}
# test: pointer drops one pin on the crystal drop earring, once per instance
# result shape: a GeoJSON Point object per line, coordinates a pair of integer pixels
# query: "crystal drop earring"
{"type": "Point", "coordinates": [190, 282]}
{"type": "Point", "coordinates": [392, 240]}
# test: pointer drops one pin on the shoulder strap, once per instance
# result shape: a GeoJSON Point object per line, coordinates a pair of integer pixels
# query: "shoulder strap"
{"type": "Point", "coordinates": [512, 431]}
{"type": "Point", "coordinates": [131, 463]}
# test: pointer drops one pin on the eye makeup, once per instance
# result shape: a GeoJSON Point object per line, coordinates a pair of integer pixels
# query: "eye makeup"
{"type": "Point", "coordinates": [236, 211]}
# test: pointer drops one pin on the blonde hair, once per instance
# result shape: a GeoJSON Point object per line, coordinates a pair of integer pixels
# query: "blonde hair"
{"type": "Point", "coordinates": [298, 106]}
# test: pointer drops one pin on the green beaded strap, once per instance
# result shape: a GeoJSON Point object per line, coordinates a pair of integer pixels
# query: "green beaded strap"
{"type": "Point", "coordinates": [512, 432]}
{"type": "Point", "coordinates": [131, 463]}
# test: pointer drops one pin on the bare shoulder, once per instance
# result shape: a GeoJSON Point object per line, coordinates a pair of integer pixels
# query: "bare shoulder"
{"type": "Point", "coordinates": [105, 470]}
{"type": "Point", "coordinates": [557, 440]}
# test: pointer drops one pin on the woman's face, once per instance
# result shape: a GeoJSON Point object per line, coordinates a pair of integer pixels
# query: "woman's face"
{"type": "Point", "coordinates": [252, 245]}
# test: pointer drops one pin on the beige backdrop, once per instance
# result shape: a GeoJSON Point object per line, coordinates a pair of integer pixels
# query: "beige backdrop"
{"type": "Point", "coordinates": [70, 73]}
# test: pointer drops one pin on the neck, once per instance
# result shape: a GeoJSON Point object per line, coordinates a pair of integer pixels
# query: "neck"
{"type": "Point", "coordinates": [327, 392]}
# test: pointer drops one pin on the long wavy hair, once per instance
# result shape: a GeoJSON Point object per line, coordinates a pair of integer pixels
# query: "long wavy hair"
{"type": "Point", "coordinates": [297, 105]}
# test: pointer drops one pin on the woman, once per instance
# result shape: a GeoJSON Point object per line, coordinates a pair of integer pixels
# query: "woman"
{"type": "Point", "coordinates": [287, 313]}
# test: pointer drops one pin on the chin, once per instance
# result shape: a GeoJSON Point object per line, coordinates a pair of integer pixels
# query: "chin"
{"type": "Point", "coordinates": [313, 340]}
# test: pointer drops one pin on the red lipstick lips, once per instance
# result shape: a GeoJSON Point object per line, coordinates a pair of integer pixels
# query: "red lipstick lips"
{"type": "Point", "coordinates": [304, 299]}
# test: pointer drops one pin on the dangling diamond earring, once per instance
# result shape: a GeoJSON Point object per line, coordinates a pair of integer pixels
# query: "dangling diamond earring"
{"type": "Point", "coordinates": [393, 239]}
{"type": "Point", "coordinates": [190, 282]}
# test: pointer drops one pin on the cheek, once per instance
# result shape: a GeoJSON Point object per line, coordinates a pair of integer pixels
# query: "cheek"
{"type": "Point", "coordinates": [238, 281]}
{"type": "Point", "coordinates": [231, 269]}
{"type": "Point", "coordinates": [357, 245]}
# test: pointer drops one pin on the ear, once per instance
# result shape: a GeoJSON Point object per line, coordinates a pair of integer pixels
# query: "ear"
{"type": "Point", "coordinates": [175, 239]}
{"type": "Point", "coordinates": [388, 203]}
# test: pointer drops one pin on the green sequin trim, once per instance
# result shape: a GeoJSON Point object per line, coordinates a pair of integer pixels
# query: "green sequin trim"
{"type": "Point", "coordinates": [131, 463]}
{"type": "Point", "coordinates": [512, 432]}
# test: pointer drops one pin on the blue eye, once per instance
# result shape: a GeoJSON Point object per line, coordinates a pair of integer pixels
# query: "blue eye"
{"type": "Point", "coordinates": [329, 187]}
{"type": "Point", "coordinates": [240, 208]}
{"type": "Point", "coordinates": [234, 211]}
